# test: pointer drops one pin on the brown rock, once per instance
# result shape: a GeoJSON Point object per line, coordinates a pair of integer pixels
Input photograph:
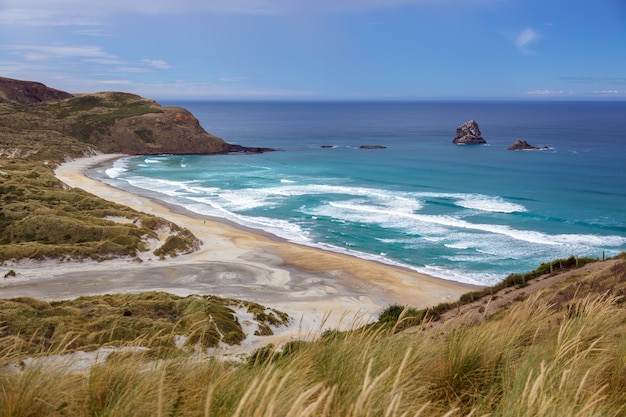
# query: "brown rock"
{"type": "Point", "coordinates": [372, 147]}
{"type": "Point", "coordinates": [522, 145]}
{"type": "Point", "coordinates": [468, 134]}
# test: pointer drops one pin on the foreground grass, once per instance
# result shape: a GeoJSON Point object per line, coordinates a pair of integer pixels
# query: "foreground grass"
{"type": "Point", "coordinates": [559, 354]}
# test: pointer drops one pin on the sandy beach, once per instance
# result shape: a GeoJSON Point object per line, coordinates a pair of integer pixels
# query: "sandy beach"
{"type": "Point", "coordinates": [319, 289]}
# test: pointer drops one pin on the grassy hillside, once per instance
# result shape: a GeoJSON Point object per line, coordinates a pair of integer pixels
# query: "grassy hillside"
{"type": "Point", "coordinates": [155, 320]}
{"type": "Point", "coordinates": [108, 122]}
{"type": "Point", "coordinates": [41, 218]}
{"type": "Point", "coordinates": [558, 353]}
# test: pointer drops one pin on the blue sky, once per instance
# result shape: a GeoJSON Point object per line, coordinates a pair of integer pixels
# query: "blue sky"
{"type": "Point", "coordinates": [320, 49]}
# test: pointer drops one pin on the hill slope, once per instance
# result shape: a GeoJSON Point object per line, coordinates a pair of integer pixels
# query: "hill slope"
{"type": "Point", "coordinates": [28, 92]}
{"type": "Point", "coordinates": [105, 122]}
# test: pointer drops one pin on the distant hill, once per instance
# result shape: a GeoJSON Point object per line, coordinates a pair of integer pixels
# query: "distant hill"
{"type": "Point", "coordinates": [28, 92]}
{"type": "Point", "coordinates": [42, 123]}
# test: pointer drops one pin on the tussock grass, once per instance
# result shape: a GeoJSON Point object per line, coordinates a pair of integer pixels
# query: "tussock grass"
{"type": "Point", "coordinates": [40, 218]}
{"type": "Point", "coordinates": [536, 358]}
{"type": "Point", "coordinates": [156, 319]}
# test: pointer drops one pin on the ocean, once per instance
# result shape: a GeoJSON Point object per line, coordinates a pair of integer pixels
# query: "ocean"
{"type": "Point", "coordinates": [471, 213]}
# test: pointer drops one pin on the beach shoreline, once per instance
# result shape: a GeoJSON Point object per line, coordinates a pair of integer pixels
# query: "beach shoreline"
{"type": "Point", "coordinates": [319, 289]}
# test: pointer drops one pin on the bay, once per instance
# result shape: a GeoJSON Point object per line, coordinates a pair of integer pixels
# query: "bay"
{"type": "Point", "coordinates": [469, 213]}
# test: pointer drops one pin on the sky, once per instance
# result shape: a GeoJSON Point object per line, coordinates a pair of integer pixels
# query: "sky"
{"type": "Point", "coordinates": [320, 49]}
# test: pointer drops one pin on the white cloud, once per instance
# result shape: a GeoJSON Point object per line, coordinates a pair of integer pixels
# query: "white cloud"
{"type": "Point", "coordinates": [47, 52]}
{"type": "Point", "coordinates": [132, 70]}
{"type": "Point", "coordinates": [545, 92]}
{"type": "Point", "coordinates": [233, 79]}
{"type": "Point", "coordinates": [93, 32]}
{"type": "Point", "coordinates": [87, 12]}
{"type": "Point", "coordinates": [87, 53]}
{"type": "Point", "coordinates": [115, 82]}
{"type": "Point", "coordinates": [156, 63]}
{"type": "Point", "coordinates": [526, 37]}
{"type": "Point", "coordinates": [207, 90]}
{"type": "Point", "coordinates": [94, 13]}
{"type": "Point", "coordinates": [23, 14]}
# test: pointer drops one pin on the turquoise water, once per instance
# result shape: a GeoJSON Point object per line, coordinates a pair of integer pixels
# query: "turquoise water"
{"type": "Point", "coordinates": [469, 213]}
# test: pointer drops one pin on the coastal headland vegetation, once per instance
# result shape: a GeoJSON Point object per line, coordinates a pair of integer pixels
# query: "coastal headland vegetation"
{"type": "Point", "coordinates": [553, 350]}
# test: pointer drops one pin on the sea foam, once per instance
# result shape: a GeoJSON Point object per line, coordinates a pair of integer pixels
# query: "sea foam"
{"type": "Point", "coordinates": [120, 166]}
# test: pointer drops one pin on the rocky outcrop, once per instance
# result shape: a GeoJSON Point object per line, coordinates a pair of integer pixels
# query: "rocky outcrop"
{"type": "Point", "coordinates": [28, 92]}
{"type": "Point", "coordinates": [468, 134]}
{"type": "Point", "coordinates": [522, 145]}
{"type": "Point", "coordinates": [232, 148]}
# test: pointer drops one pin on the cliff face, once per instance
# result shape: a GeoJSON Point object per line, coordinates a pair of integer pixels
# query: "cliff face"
{"type": "Point", "coordinates": [42, 123]}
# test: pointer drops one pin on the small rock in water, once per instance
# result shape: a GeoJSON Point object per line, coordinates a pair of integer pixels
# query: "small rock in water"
{"type": "Point", "coordinates": [468, 134]}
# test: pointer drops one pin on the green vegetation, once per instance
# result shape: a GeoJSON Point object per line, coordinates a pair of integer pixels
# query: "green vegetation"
{"type": "Point", "coordinates": [515, 280]}
{"type": "Point", "coordinates": [560, 353]}
{"type": "Point", "coordinates": [145, 134]}
{"type": "Point", "coordinates": [84, 122]}
{"type": "Point", "coordinates": [153, 319]}
{"type": "Point", "coordinates": [56, 130]}
{"type": "Point", "coordinates": [40, 218]}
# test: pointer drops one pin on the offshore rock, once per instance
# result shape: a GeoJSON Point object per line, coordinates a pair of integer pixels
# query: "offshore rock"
{"type": "Point", "coordinates": [233, 148]}
{"type": "Point", "coordinates": [522, 145]}
{"type": "Point", "coordinates": [372, 147]}
{"type": "Point", "coordinates": [468, 134]}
